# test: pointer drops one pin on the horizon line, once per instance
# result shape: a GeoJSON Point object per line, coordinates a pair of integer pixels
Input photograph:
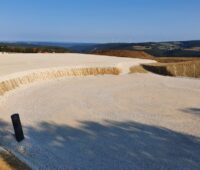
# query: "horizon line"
{"type": "Point", "coordinates": [85, 42]}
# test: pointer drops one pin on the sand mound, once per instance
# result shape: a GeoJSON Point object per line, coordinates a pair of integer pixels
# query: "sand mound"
{"type": "Point", "coordinates": [21, 69]}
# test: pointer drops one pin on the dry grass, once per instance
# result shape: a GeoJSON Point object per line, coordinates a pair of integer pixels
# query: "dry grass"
{"type": "Point", "coordinates": [10, 162]}
{"type": "Point", "coordinates": [138, 69]}
{"type": "Point", "coordinates": [125, 53]}
{"type": "Point", "coordinates": [173, 66]}
{"type": "Point", "coordinates": [143, 55]}
{"type": "Point", "coordinates": [174, 59]}
{"type": "Point", "coordinates": [180, 69]}
{"type": "Point", "coordinates": [11, 84]}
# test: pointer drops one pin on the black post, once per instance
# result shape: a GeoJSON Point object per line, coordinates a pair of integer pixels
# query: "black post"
{"type": "Point", "coordinates": [19, 135]}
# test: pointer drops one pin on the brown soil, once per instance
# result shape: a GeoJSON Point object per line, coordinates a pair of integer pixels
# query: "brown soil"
{"type": "Point", "coordinates": [174, 59]}
{"type": "Point", "coordinates": [143, 55]}
{"type": "Point", "coordinates": [125, 53]}
{"type": "Point", "coordinates": [10, 162]}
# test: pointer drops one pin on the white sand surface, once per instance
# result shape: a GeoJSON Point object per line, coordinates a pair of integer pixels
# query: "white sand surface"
{"type": "Point", "coordinates": [133, 121]}
{"type": "Point", "coordinates": [15, 63]}
{"type": "Point", "coordinates": [20, 69]}
{"type": "Point", "coordinates": [128, 121]}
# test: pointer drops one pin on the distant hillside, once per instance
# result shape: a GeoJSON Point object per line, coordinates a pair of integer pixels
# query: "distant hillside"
{"type": "Point", "coordinates": [124, 53]}
{"type": "Point", "coordinates": [30, 48]}
{"type": "Point", "coordinates": [157, 49]}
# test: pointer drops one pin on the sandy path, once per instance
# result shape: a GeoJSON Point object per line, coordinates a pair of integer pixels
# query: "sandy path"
{"type": "Point", "coordinates": [138, 121]}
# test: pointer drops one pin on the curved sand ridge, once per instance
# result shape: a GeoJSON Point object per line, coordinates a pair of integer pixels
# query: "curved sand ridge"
{"type": "Point", "coordinates": [47, 74]}
{"type": "Point", "coordinates": [29, 68]}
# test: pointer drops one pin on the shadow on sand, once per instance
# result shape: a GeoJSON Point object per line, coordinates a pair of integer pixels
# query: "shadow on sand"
{"type": "Point", "coordinates": [192, 110]}
{"type": "Point", "coordinates": [110, 145]}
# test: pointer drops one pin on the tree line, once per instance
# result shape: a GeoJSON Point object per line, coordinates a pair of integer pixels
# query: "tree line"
{"type": "Point", "coordinates": [29, 49]}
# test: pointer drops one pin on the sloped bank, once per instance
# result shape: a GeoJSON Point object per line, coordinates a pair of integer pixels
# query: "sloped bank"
{"type": "Point", "coordinates": [21, 69]}
{"type": "Point", "coordinates": [182, 69]}
{"type": "Point", "coordinates": [13, 81]}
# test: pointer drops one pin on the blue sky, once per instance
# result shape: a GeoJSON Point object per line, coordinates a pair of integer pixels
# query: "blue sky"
{"type": "Point", "coordinates": [99, 20]}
